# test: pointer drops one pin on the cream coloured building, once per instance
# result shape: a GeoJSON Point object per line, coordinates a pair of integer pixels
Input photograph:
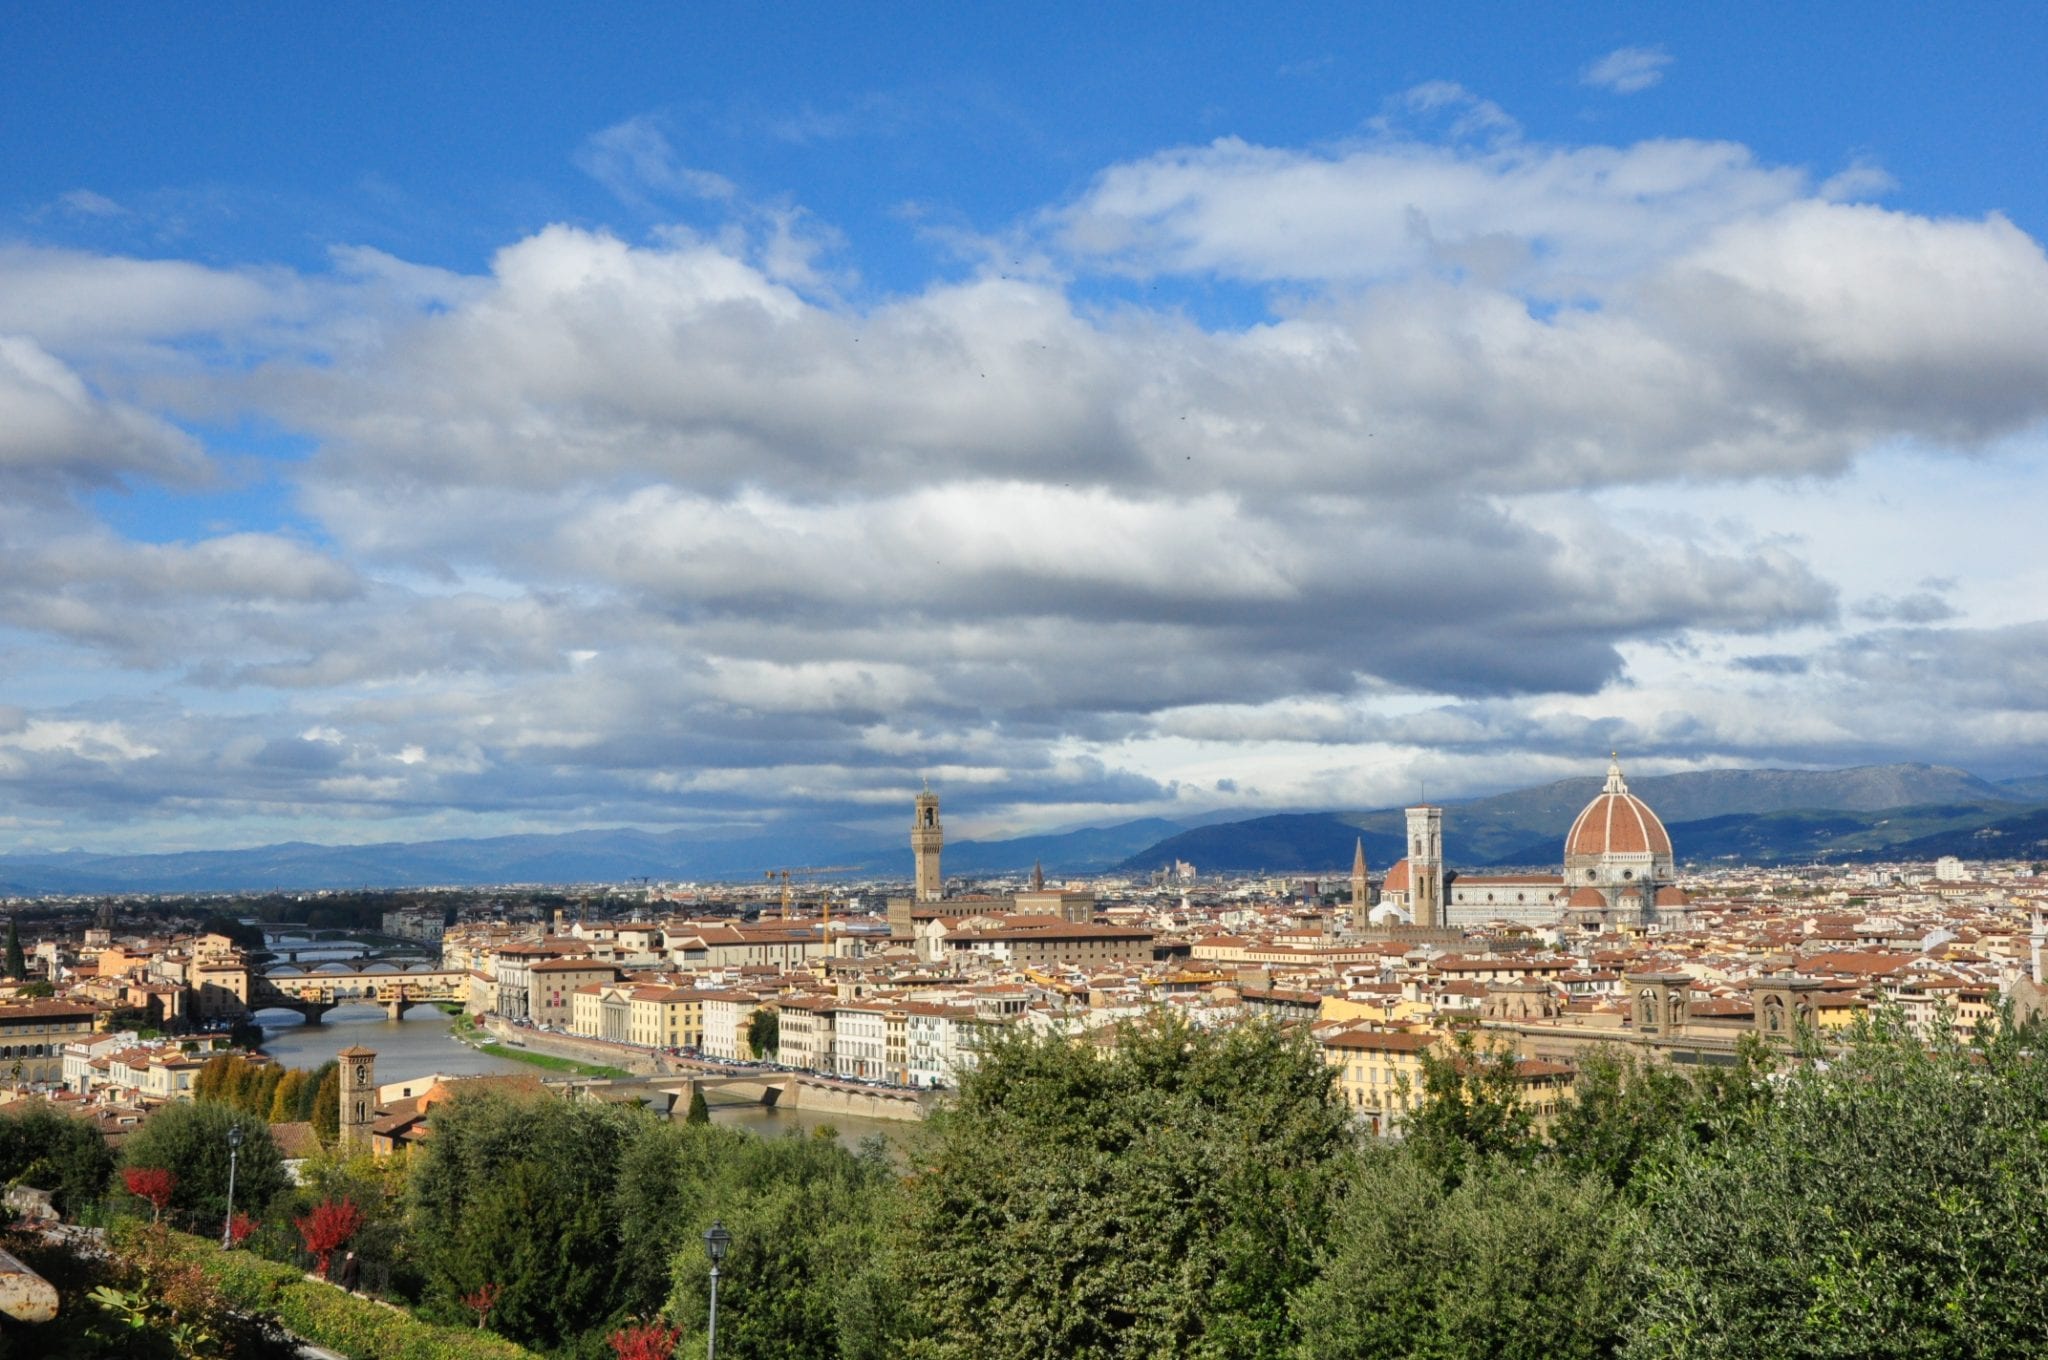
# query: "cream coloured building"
{"type": "Point", "coordinates": [860, 1040]}
{"type": "Point", "coordinates": [737, 946]}
{"type": "Point", "coordinates": [32, 1040]}
{"type": "Point", "coordinates": [804, 1032]}
{"type": "Point", "coordinates": [725, 1016]}
{"type": "Point", "coordinates": [1379, 1073]}
{"type": "Point", "coordinates": [551, 987]}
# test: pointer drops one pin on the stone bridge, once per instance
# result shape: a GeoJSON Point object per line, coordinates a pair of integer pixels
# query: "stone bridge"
{"type": "Point", "coordinates": [673, 1092]}
{"type": "Point", "coordinates": [291, 953]}
{"type": "Point", "coordinates": [787, 1090]}
{"type": "Point", "coordinates": [312, 995]}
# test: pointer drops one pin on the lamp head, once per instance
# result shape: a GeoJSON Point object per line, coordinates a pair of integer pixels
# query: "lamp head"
{"type": "Point", "coordinates": [716, 1240]}
{"type": "Point", "coordinates": [234, 1135]}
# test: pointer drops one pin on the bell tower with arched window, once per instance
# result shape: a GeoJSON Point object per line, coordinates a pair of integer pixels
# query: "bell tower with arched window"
{"type": "Point", "coordinates": [358, 1097]}
{"type": "Point", "coordinates": [1426, 865]}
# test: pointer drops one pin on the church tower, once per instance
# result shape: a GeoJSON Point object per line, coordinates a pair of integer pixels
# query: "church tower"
{"type": "Point", "coordinates": [926, 837]}
{"type": "Point", "coordinates": [1361, 890]}
{"type": "Point", "coordinates": [1426, 865]}
{"type": "Point", "coordinates": [358, 1097]}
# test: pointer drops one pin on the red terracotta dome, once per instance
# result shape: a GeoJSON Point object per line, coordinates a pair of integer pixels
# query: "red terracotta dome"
{"type": "Point", "coordinates": [1397, 878]}
{"type": "Point", "coordinates": [1616, 822]}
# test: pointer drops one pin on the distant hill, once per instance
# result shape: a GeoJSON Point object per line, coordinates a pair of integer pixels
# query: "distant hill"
{"type": "Point", "coordinates": [1090, 850]}
{"type": "Point", "coordinates": [1766, 816]}
{"type": "Point", "coordinates": [1289, 842]}
{"type": "Point", "coordinates": [2022, 835]}
{"type": "Point", "coordinates": [613, 856]}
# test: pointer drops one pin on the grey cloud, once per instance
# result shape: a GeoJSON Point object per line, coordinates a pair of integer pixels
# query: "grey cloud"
{"type": "Point", "coordinates": [71, 300]}
{"type": "Point", "coordinates": [1988, 669]}
{"type": "Point", "coordinates": [152, 605]}
{"type": "Point", "coordinates": [1269, 214]}
{"type": "Point", "coordinates": [1921, 607]}
{"type": "Point", "coordinates": [1773, 663]}
{"type": "Point", "coordinates": [1853, 319]}
{"type": "Point", "coordinates": [588, 361]}
{"type": "Point", "coordinates": [57, 434]}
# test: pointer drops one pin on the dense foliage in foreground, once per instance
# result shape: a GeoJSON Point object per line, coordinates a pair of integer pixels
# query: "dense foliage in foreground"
{"type": "Point", "coordinates": [1202, 1194]}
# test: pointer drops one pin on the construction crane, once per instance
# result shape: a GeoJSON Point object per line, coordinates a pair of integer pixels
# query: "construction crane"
{"type": "Point", "coordinates": [811, 871]}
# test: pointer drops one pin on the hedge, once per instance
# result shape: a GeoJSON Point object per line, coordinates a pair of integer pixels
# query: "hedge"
{"type": "Point", "coordinates": [329, 1316]}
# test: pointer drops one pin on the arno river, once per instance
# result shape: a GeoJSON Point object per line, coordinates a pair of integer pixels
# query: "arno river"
{"type": "Point", "coordinates": [422, 1044]}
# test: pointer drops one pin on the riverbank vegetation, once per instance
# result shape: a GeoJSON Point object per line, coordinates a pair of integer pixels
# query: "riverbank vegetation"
{"type": "Point", "coordinates": [1198, 1194]}
{"type": "Point", "coordinates": [466, 1029]}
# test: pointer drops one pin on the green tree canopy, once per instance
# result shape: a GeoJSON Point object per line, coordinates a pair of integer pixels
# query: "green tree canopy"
{"type": "Point", "coordinates": [1163, 1200]}
{"type": "Point", "coordinates": [1471, 1106]}
{"type": "Point", "coordinates": [1513, 1263]}
{"type": "Point", "coordinates": [1628, 1116]}
{"type": "Point", "coordinates": [324, 1107]}
{"type": "Point", "coordinates": [43, 1147]}
{"type": "Point", "coordinates": [284, 1101]}
{"type": "Point", "coordinates": [809, 1275]}
{"type": "Point", "coordinates": [245, 936]}
{"type": "Point", "coordinates": [517, 1192]}
{"type": "Point", "coordinates": [191, 1141]}
{"type": "Point", "coordinates": [1886, 1202]}
{"type": "Point", "coordinates": [764, 1034]}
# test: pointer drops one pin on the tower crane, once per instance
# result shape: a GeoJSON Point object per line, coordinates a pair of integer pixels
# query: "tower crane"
{"type": "Point", "coordinates": [809, 871]}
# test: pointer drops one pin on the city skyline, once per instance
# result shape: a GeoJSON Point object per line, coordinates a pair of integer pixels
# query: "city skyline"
{"type": "Point", "coordinates": [420, 429]}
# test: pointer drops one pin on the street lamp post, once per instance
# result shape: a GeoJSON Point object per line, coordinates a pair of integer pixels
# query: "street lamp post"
{"type": "Point", "coordinates": [716, 1240]}
{"type": "Point", "coordinates": [234, 1153]}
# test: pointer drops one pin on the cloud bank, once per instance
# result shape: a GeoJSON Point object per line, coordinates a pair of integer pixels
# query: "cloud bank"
{"type": "Point", "coordinates": [671, 531]}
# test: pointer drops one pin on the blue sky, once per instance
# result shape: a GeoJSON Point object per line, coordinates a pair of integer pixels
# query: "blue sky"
{"type": "Point", "coordinates": [458, 419]}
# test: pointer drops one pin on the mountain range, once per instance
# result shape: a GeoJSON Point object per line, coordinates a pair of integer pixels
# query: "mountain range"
{"type": "Point", "coordinates": [1757, 816]}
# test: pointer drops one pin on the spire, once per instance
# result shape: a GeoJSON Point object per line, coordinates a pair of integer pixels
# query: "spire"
{"type": "Point", "coordinates": [1358, 860]}
{"type": "Point", "coordinates": [1615, 783]}
{"type": "Point", "coordinates": [1038, 876]}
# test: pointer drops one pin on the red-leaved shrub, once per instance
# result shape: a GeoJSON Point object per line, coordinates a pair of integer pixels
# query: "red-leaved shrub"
{"type": "Point", "coordinates": [151, 1183]}
{"type": "Point", "coordinates": [481, 1301]}
{"type": "Point", "coordinates": [331, 1224]}
{"type": "Point", "coordinates": [648, 1341]}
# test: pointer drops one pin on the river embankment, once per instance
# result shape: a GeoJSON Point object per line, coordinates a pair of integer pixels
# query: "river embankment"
{"type": "Point", "coordinates": [828, 1099]}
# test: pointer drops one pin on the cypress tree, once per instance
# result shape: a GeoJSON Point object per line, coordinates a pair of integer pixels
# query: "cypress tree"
{"type": "Point", "coordinates": [700, 1111]}
{"type": "Point", "coordinates": [263, 1091]}
{"type": "Point", "coordinates": [17, 966]}
{"type": "Point", "coordinates": [309, 1091]}
{"type": "Point", "coordinates": [211, 1082]}
{"type": "Point", "coordinates": [327, 1106]}
{"type": "Point", "coordinates": [239, 1088]}
{"type": "Point", "coordinates": [284, 1102]}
